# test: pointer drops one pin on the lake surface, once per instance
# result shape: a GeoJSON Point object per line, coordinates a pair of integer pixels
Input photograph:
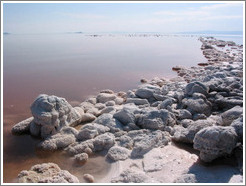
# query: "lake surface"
{"type": "Point", "coordinates": [75, 66]}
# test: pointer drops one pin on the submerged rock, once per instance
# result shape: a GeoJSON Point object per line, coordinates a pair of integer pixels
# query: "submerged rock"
{"type": "Point", "coordinates": [60, 140]}
{"type": "Point", "coordinates": [89, 178]}
{"type": "Point", "coordinates": [81, 158]}
{"type": "Point", "coordinates": [46, 173]}
{"type": "Point", "coordinates": [22, 127]}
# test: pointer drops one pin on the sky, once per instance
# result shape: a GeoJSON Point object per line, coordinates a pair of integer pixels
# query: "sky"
{"type": "Point", "coordinates": [121, 17]}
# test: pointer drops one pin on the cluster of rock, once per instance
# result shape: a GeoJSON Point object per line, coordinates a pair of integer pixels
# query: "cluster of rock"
{"type": "Point", "coordinates": [232, 51]}
{"type": "Point", "coordinates": [203, 106]}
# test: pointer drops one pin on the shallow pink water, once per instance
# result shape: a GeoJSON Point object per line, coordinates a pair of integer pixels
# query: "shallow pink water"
{"type": "Point", "coordinates": [76, 66]}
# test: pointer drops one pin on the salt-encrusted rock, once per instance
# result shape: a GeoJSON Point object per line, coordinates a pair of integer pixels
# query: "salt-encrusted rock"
{"type": "Point", "coordinates": [103, 142]}
{"type": "Point", "coordinates": [130, 94]}
{"type": "Point", "coordinates": [92, 100]}
{"type": "Point", "coordinates": [105, 97]}
{"type": "Point", "coordinates": [131, 126]}
{"type": "Point", "coordinates": [165, 104]}
{"type": "Point", "coordinates": [125, 141]}
{"type": "Point", "coordinates": [107, 91]}
{"type": "Point", "coordinates": [87, 117]}
{"type": "Point", "coordinates": [197, 104]}
{"type": "Point", "coordinates": [100, 106]}
{"type": "Point", "coordinates": [117, 153]}
{"type": "Point", "coordinates": [110, 103]}
{"type": "Point", "coordinates": [196, 87]}
{"type": "Point", "coordinates": [94, 111]}
{"type": "Point", "coordinates": [110, 109]}
{"type": "Point", "coordinates": [91, 130]}
{"type": "Point", "coordinates": [80, 110]}
{"type": "Point", "coordinates": [89, 178]}
{"type": "Point", "coordinates": [60, 140]}
{"type": "Point", "coordinates": [127, 114]}
{"type": "Point", "coordinates": [69, 131]}
{"type": "Point", "coordinates": [145, 140]}
{"type": "Point", "coordinates": [184, 114]}
{"type": "Point", "coordinates": [214, 142]}
{"type": "Point", "coordinates": [99, 143]}
{"type": "Point", "coordinates": [86, 106]}
{"type": "Point", "coordinates": [238, 126]}
{"type": "Point", "coordinates": [156, 103]}
{"type": "Point", "coordinates": [186, 135]}
{"type": "Point", "coordinates": [220, 43]}
{"type": "Point", "coordinates": [52, 113]}
{"type": "Point", "coordinates": [160, 97]}
{"type": "Point", "coordinates": [186, 178]}
{"type": "Point", "coordinates": [121, 94]}
{"type": "Point", "coordinates": [228, 102]}
{"type": "Point", "coordinates": [199, 116]}
{"type": "Point", "coordinates": [110, 122]}
{"type": "Point", "coordinates": [22, 127]}
{"type": "Point", "coordinates": [230, 115]}
{"type": "Point", "coordinates": [35, 129]}
{"type": "Point", "coordinates": [146, 91]}
{"type": "Point", "coordinates": [81, 147]}
{"type": "Point", "coordinates": [156, 119]}
{"type": "Point", "coordinates": [131, 176]}
{"type": "Point", "coordinates": [118, 100]}
{"type": "Point", "coordinates": [46, 173]}
{"type": "Point", "coordinates": [137, 101]}
{"type": "Point", "coordinates": [143, 80]}
{"type": "Point", "coordinates": [186, 122]}
{"type": "Point", "coordinates": [81, 158]}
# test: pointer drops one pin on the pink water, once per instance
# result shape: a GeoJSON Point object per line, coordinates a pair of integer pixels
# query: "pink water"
{"type": "Point", "coordinates": [75, 66]}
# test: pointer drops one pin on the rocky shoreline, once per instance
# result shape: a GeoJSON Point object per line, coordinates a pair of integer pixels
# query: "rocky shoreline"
{"type": "Point", "coordinates": [202, 107]}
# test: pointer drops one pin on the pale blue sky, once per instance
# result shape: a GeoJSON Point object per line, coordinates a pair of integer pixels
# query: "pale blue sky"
{"type": "Point", "coordinates": [121, 17]}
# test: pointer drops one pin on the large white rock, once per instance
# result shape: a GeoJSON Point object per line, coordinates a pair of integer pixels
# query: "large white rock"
{"type": "Point", "coordinates": [214, 142]}
{"type": "Point", "coordinates": [52, 113]}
